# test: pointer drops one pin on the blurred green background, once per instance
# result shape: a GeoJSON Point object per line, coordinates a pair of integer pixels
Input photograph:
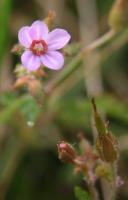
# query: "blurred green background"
{"type": "Point", "coordinates": [29, 164]}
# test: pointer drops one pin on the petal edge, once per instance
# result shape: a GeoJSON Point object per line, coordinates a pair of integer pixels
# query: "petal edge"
{"type": "Point", "coordinates": [57, 39]}
{"type": "Point", "coordinates": [30, 61]}
{"type": "Point", "coordinates": [53, 60]}
{"type": "Point", "coordinates": [24, 36]}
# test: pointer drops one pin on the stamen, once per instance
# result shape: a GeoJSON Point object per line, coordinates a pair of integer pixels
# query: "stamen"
{"type": "Point", "coordinates": [38, 47]}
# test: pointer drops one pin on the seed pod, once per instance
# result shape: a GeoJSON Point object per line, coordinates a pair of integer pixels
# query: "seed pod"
{"type": "Point", "coordinates": [118, 18]}
{"type": "Point", "coordinates": [100, 125]}
{"type": "Point", "coordinates": [107, 147]}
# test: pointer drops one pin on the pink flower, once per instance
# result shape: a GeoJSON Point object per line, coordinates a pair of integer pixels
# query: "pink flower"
{"type": "Point", "coordinates": [41, 46]}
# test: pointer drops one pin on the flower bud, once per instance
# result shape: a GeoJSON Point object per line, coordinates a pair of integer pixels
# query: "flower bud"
{"type": "Point", "coordinates": [107, 147]}
{"type": "Point", "coordinates": [118, 18]}
{"type": "Point", "coordinates": [66, 152]}
{"type": "Point", "coordinates": [20, 82]}
{"type": "Point", "coordinates": [50, 18]}
{"type": "Point", "coordinates": [17, 49]}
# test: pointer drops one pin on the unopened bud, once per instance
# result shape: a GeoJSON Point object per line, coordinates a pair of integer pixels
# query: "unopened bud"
{"type": "Point", "coordinates": [50, 18]}
{"type": "Point", "coordinates": [20, 82]}
{"type": "Point", "coordinates": [107, 147]}
{"type": "Point", "coordinates": [66, 152]}
{"type": "Point", "coordinates": [17, 49]}
{"type": "Point", "coordinates": [118, 18]}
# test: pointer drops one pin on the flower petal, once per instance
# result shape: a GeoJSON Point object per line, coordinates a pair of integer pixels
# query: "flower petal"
{"type": "Point", "coordinates": [30, 61]}
{"type": "Point", "coordinates": [53, 60]}
{"type": "Point", "coordinates": [41, 29]}
{"type": "Point", "coordinates": [57, 39]}
{"type": "Point", "coordinates": [24, 36]}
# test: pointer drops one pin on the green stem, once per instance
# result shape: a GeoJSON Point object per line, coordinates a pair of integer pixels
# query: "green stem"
{"type": "Point", "coordinates": [99, 42]}
{"type": "Point", "coordinates": [93, 192]}
{"type": "Point", "coordinates": [10, 169]}
{"type": "Point", "coordinates": [70, 68]}
{"type": "Point", "coordinates": [77, 61]}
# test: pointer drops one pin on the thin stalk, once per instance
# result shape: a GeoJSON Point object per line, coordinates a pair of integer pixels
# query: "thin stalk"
{"type": "Point", "coordinates": [10, 169]}
{"type": "Point", "coordinates": [93, 191]}
{"type": "Point", "coordinates": [70, 68]}
{"type": "Point", "coordinates": [91, 70]}
{"type": "Point", "coordinates": [77, 61]}
{"type": "Point", "coordinates": [99, 42]}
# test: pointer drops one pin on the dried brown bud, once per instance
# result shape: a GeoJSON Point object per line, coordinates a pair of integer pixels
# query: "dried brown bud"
{"type": "Point", "coordinates": [17, 49]}
{"type": "Point", "coordinates": [118, 18]}
{"type": "Point", "coordinates": [66, 152]}
{"type": "Point", "coordinates": [40, 73]}
{"type": "Point", "coordinates": [20, 82]}
{"type": "Point", "coordinates": [36, 90]}
{"type": "Point", "coordinates": [50, 18]}
{"type": "Point", "coordinates": [107, 147]}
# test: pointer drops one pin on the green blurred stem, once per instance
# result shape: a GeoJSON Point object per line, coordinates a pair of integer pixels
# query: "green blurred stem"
{"type": "Point", "coordinates": [77, 61]}
{"type": "Point", "coordinates": [70, 68]}
{"type": "Point", "coordinates": [99, 42]}
{"type": "Point", "coordinates": [10, 168]}
{"type": "Point", "coordinates": [5, 10]}
{"type": "Point", "coordinates": [91, 187]}
{"type": "Point", "coordinates": [93, 191]}
{"type": "Point", "coordinates": [114, 188]}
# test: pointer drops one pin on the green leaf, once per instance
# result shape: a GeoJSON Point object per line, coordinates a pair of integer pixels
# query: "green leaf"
{"type": "Point", "coordinates": [81, 194]}
{"type": "Point", "coordinates": [25, 104]}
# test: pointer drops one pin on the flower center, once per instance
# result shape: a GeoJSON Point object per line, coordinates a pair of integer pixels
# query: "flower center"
{"type": "Point", "coordinates": [39, 47]}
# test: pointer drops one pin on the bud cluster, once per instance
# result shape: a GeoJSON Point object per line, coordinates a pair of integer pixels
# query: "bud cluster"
{"type": "Point", "coordinates": [83, 162]}
{"type": "Point", "coordinates": [32, 81]}
{"type": "Point", "coordinates": [87, 162]}
{"type": "Point", "coordinates": [93, 163]}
